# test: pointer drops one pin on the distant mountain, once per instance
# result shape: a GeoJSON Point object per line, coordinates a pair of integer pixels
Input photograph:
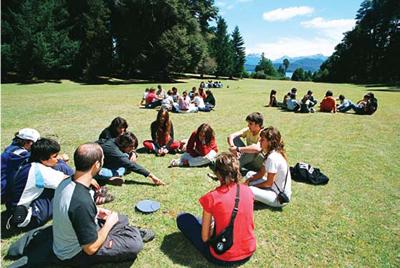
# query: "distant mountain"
{"type": "Point", "coordinates": [308, 63]}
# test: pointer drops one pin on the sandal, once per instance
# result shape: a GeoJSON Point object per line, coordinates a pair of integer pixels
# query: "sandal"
{"type": "Point", "coordinates": [100, 200]}
{"type": "Point", "coordinates": [103, 190]}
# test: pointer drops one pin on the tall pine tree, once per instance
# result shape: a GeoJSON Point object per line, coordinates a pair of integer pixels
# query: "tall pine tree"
{"type": "Point", "coordinates": [223, 49]}
{"type": "Point", "coordinates": [239, 53]}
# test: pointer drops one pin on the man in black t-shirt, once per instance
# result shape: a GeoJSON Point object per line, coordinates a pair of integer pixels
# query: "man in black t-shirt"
{"type": "Point", "coordinates": [84, 234]}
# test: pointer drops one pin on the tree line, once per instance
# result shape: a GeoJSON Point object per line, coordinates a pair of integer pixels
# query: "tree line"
{"type": "Point", "coordinates": [124, 38]}
{"type": "Point", "coordinates": [371, 51]}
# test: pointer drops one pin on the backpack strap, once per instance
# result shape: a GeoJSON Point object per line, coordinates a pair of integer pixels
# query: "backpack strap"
{"type": "Point", "coordinates": [284, 186]}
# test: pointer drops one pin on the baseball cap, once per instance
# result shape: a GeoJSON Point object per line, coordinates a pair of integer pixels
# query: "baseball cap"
{"type": "Point", "coordinates": [28, 134]}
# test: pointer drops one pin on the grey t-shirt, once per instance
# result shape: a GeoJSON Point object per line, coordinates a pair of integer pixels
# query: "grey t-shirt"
{"type": "Point", "coordinates": [74, 219]}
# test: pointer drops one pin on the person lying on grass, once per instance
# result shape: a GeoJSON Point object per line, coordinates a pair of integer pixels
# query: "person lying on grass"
{"type": "Point", "coordinates": [84, 234]}
{"type": "Point", "coordinates": [249, 155]}
{"type": "Point", "coordinates": [162, 135]}
{"type": "Point", "coordinates": [120, 159]}
{"type": "Point", "coordinates": [274, 176]}
{"type": "Point", "coordinates": [217, 207]}
{"type": "Point", "coordinates": [201, 149]}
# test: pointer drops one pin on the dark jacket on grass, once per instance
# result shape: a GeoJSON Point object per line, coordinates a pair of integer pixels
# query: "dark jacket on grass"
{"type": "Point", "coordinates": [114, 158]}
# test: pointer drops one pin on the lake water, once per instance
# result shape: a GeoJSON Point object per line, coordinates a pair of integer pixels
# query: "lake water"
{"type": "Point", "coordinates": [289, 74]}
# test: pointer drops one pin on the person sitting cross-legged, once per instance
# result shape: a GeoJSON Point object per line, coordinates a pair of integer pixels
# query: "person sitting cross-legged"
{"type": "Point", "coordinates": [120, 159]}
{"type": "Point", "coordinates": [249, 155]}
{"type": "Point", "coordinates": [83, 234]}
{"type": "Point", "coordinates": [201, 149]}
{"type": "Point", "coordinates": [328, 103]}
{"type": "Point", "coordinates": [162, 135]}
{"type": "Point", "coordinates": [218, 206]}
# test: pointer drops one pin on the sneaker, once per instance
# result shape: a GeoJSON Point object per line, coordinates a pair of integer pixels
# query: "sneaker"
{"type": "Point", "coordinates": [117, 181]}
{"type": "Point", "coordinates": [174, 163]}
{"type": "Point", "coordinates": [147, 235]}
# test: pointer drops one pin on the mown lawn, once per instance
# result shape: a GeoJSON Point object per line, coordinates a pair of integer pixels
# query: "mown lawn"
{"type": "Point", "coordinates": [351, 222]}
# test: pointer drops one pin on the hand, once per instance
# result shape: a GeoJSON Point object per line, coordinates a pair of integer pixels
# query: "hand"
{"type": "Point", "coordinates": [233, 150]}
{"type": "Point", "coordinates": [112, 219]}
{"type": "Point", "coordinates": [103, 213]}
{"type": "Point", "coordinates": [156, 180]}
{"type": "Point", "coordinates": [64, 157]}
{"type": "Point", "coordinates": [95, 184]}
{"type": "Point", "coordinates": [246, 182]}
{"type": "Point", "coordinates": [133, 157]}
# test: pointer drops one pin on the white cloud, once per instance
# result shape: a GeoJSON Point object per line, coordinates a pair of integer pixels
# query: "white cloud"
{"type": "Point", "coordinates": [282, 14]}
{"type": "Point", "coordinates": [333, 29]}
{"type": "Point", "coordinates": [294, 47]}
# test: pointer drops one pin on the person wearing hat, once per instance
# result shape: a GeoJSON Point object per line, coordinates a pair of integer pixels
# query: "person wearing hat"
{"type": "Point", "coordinates": [14, 155]}
{"type": "Point", "coordinates": [84, 234]}
{"type": "Point", "coordinates": [32, 189]}
{"type": "Point", "coordinates": [17, 154]}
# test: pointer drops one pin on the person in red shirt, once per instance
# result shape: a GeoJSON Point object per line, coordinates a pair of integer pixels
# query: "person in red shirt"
{"type": "Point", "coordinates": [328, 104]}
{"type": "Point", "coordinates": [217, 206]}
{"type": "Point", "coordinates": [162, 135]}
{"type": "Point", "coordinates": [201, 148]}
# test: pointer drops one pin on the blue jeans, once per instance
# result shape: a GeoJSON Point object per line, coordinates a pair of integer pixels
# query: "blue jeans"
{"type": "Point", "coordinates": [190, 226]}
{"type": "Point", "coordinates": [106, 173]}
{"type": "Point", "coordinates": [355, 107]}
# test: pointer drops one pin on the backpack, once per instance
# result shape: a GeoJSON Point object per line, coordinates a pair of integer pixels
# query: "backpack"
{"type": "Point", "coordinates": [372, 106]}
{"type": "Point", "coordinates": [303, 172]}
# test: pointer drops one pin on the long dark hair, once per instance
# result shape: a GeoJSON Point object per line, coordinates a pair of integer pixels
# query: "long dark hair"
{"type": "Point", "coordinates": [209, 132]}
{"type": "Point", "coordinates": [273, 136]}
{"type": "Point", "coordinates": [163, 128]}
{"type": "Point", "coordinates": [118, 122]}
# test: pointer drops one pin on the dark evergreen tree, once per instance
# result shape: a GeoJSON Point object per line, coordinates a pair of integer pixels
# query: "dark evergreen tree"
{"type": "Point", "coordinates": [91, 20]}
{"type": "Point", "coordinates": [298, 75]}
{"type": "Point", "coordinates": [368, 53]}
{"type": "Point", "coordinates": [223, 50]}
{"type": "Point", "coordinates": [286, 64]}
{"type": "Point", "coordinates": [239, 53]}
{"type": "Point", "coordinates": [35, 39]}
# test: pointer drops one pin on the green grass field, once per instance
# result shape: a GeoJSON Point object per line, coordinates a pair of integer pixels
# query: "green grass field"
{"type": "Point", "coordinates": [353, 221]}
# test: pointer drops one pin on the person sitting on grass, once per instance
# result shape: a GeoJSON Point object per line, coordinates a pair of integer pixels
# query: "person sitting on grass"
{"type": "Point", "coordinates": [344, 103]}
{"type": "Point", "coordinates": [153, 100]}
{"type": "Point", "coordinates": [328, 104]}
{"type": "Point", "coordinates": [217, 207]}
{"type": "Point", "coordinates": [274, 176]}
{"type": "Point", "coordinates": [175, 94]}
{"type": "Point", "coordinates": [313, 101]}
{"type": "Point", "coordinates": [143, 101]}
{"type": "Point", "coordinates": [84, 234]}
{"type": "Point", "coordinates": [192, 93]}
{"type": "Point", "coordinates": [17, 154]}
{"type": "Point", "coordinates": [168, 101]}
{"type": "Point", "coordinates": [210, 99]}
{"type": "Point", "coordinates": [117, 127]}
{"type": "Point", "coordinates": [162, 135]}
{"type": "Point", "coordinates": [201, 149]}
{"type": "Point", "coordinates": [292, 104]}
{"type": "Point", "coordinates": [306, 105]}
{"type": "Point", "coordinates": [120, 159]}
{"type": "Point", "coordinates": [368, 105]}
{"type": "Point", "coordinates": [249, 155]}
{"type": "Point", "coordinates": [272, 99]}
{"type": "Point", "coordinates": [32, 189]}
{"type": "Point", "coordinates": [184, 104]}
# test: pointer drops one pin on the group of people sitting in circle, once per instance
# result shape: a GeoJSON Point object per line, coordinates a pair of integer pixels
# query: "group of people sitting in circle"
{"type": "Point", "coordinates": [201, 100]}
{"type": "Point", "coordinates": [368, 105]}
{"type": "Point", "coordinates": [38, 185]}
{"type": "Point", "coordinates": [211, 84]}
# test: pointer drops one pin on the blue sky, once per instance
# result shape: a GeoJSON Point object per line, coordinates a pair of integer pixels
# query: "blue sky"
{"type": "Point", "coordinates": [290, 28]}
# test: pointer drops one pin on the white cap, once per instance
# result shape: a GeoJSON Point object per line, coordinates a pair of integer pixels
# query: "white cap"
{"type": "Point", "coordinates": [28, 134]}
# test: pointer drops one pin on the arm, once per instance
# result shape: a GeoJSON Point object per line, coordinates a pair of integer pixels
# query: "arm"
{"type": "Point", "coordinates": [92, 248]}
{"type": "Point", "coordinates": [206, 227]}
{"type": "Point", "coordinates": [256, 176]}
{"type": "Point", "coordinates": [190, 147]}
{"type": "Point", "coordinates": [269, 182]}
{"type": "Point", "coordinates": [251, 149]}
{"type": "Point", "coordinates": [234, 135]}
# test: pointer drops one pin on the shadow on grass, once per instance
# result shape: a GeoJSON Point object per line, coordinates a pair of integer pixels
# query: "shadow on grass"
{"type": "Point", "coordinates": [129, 181]}
{"type": "Point", "coordinates": [180, 251]}
{"type": "Point", "coordinates": [383, 87]}
{"type": "Point", "coordinates": [261, 206]}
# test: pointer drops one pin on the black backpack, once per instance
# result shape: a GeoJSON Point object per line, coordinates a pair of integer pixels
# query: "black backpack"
{"type": "Point", "coordinates": [303, 172]}
{"type": "Point", "coordinates": [372, 106]}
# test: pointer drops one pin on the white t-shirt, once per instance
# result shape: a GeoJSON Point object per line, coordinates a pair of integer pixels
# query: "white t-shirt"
{"type": "Point", "coordinates": [199, 102]}
{"type": "Point", "coordinates": [276, 163]}
{"type": "Point", "coordinates": [39, 177]}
